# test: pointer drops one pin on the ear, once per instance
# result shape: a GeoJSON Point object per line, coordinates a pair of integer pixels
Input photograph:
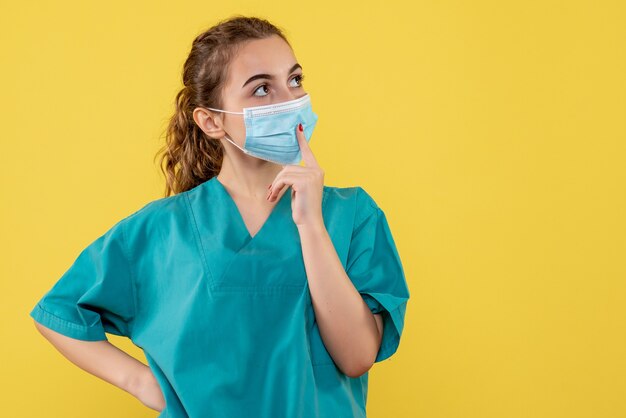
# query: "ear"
{"type": "Point", "coordinates": [209, 122]}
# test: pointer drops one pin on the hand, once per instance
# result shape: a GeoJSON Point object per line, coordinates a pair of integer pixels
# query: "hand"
{"type": "Point", "coordinates": [307, 186]}
{"type": "Point", "coordinates": [148, 391]}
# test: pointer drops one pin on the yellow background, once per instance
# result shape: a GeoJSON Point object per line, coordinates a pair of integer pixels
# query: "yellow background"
{"type": "Point", "coordinates": [491, 133]}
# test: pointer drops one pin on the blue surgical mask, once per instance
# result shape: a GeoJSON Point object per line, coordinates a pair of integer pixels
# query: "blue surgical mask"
{"type": "Point", "coordinates": [271, 129]}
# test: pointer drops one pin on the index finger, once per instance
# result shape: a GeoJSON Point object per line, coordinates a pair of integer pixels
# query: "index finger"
{"type": "Point", "coordinates": [307, 153]}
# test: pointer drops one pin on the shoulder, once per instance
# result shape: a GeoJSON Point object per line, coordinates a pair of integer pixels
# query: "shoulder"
{"type": "Point", "coordinates": [354, 199]}
{"type": "Point", "coordinates": [155, 208]}
{"type": "Point", "coordinates": [155, 214]}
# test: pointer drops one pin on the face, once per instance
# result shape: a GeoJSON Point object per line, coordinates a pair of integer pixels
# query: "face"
{"type": "Point", "coordinates": [265, 71]}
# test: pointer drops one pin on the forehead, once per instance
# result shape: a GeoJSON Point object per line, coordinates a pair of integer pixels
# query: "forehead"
{"type": "Point", "coordinates": [271, 55]}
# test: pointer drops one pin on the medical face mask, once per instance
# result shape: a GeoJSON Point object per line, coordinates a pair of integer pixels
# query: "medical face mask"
{"type": "Point", "coordinates": [271, 129]}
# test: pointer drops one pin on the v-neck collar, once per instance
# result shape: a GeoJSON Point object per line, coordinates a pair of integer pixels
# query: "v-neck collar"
{"type": "Point", "coordinates": [286, 197]}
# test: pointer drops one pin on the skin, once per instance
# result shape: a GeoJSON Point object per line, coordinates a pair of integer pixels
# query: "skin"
{"type": "Point", "coordinates": [349, 330]}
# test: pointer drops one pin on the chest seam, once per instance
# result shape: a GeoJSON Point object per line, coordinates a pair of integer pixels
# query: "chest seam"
{"type": "Point", "coordinates": [196, 235]}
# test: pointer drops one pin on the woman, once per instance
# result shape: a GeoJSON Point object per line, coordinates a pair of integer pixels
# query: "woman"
{"type": "Point", "coordinates": [248, 299]}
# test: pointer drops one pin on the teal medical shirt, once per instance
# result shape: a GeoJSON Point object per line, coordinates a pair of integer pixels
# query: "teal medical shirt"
{"type": "Point", "coordinates": [225, 319]}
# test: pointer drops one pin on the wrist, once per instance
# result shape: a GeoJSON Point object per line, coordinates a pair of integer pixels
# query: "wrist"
{"type": "Point", "coordinates": [312, 228]}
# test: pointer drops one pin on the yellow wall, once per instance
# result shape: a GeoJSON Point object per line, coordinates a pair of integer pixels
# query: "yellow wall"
{"type": "Point", "coordinates": [492, 133]}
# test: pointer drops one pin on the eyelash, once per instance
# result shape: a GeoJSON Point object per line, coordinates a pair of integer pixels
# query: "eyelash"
{"type": "Point", "coordinates": [300, 76]}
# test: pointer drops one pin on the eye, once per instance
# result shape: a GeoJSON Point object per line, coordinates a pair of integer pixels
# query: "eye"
{"type": "Point", "coordinates": [259, 88]}
{"type": "Point", "coordinates": [298, 77]}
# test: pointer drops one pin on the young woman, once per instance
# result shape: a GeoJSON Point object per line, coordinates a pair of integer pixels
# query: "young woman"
{"type": "Point", "coordinates": [254, 289]}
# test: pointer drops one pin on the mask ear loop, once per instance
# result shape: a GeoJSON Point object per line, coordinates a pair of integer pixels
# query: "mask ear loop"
{"type": "Point", "coordinates": [225, 111]}
{"type": "Point", "coordinates": [228, 139]}
{"type": "Point", "coordinates": [233, 142]}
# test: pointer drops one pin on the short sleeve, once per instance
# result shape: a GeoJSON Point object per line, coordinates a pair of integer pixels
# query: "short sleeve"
{"type": "Point", "coordinates": [95, 294]}
{"type": "Point", "coordinates": [375, 268]}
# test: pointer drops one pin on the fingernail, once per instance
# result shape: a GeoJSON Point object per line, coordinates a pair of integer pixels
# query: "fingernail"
{"type": "Point", "coordinates": [300, 127]}
{"type": "Point", "coordinates": [270, 185]}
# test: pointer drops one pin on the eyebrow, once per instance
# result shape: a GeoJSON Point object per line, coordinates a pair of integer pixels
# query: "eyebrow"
{"type": "Point", "coordinates": [269, 76]}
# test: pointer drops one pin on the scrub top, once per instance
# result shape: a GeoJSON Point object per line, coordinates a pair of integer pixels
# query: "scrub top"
{"type": "Point", "coordinates": [225, 319]}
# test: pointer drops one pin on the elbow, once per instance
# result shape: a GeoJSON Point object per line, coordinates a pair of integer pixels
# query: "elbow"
{"type": "Point", "coordinates": [358, 370]}
{"type": "Point", "coordinates": [358, 367]}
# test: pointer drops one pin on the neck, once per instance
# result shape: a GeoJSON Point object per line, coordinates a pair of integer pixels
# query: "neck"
{"type": "Point", "coordinates": [247, 176]}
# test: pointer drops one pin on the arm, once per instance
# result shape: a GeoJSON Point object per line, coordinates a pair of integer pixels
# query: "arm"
{"type": "Point", "coordinates": [351, 333]}
{"type": "Point", "coordinates": [104, 360]}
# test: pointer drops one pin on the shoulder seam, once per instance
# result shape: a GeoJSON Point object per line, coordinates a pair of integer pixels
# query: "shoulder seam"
{"type": "Point", "coordinates": [196, 234]}
{"type": "Point", "coordinates": [376, 210]}
{"type": "Point", "coordinates": [370, 199]}
{"type": "Point", "coordinates": [132, 278]}
{"type": "Point", "coordinates": [370, 203]}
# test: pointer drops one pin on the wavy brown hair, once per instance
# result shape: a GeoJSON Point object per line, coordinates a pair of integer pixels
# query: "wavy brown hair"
{"type": "Point", "coordinates": [189, 157]}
